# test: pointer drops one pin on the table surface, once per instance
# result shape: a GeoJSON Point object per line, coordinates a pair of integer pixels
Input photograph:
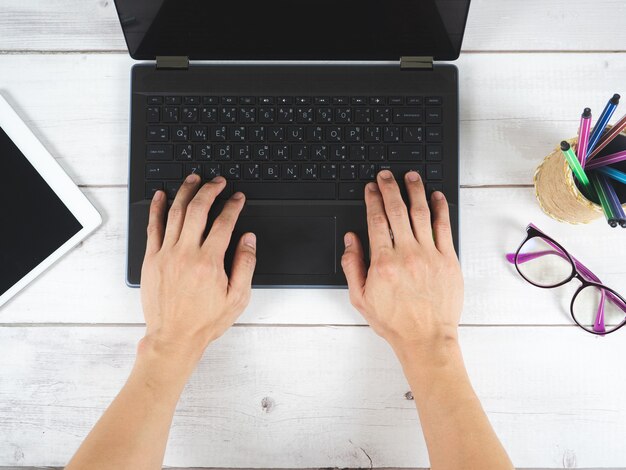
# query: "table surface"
{"type": "Point", "coordinates": [301, 381]}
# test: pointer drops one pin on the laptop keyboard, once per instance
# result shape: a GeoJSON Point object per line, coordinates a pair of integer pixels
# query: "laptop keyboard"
{"type": "Point", "coordinates": [292, 147]}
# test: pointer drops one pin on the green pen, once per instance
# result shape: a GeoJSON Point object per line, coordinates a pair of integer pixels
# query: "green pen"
{"type": "Point", "coordinates": [604, 201]}
{"type": "Point", "coordinates": [574, 164]}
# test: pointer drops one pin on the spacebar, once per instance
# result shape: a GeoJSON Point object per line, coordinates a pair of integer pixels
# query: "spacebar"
{"type": "Point", "coordinates": [301, 190]}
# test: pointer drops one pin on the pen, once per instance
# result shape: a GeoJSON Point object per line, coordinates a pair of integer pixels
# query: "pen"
{"type": "Point", "coordinates": [603, 120]}
{"type": "Point", "coordinates": [583, 136]}
{"type": "Point", "coordinates": [606, 160]}
{"type": "Point", "coordinates": [603, 198]}
{"type": "Point", "coordinates": [609, 135]}
{"type": "Point", "coordinates": [574, 164]}
{"type": "Point", "coordinates": [613, 173]}
{"type": "Point", "coordinates": [613, 200]}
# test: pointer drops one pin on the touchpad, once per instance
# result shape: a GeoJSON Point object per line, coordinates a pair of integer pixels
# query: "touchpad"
{"type": "Point", "coordinates": [292, 245]}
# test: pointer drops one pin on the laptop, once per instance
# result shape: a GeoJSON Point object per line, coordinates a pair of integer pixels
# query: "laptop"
{"type": "Point", "coordinates": [298, 104]}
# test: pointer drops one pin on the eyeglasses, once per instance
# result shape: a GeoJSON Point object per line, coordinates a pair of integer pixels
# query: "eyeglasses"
{"type": "Point", "coordinates": [544, 263]}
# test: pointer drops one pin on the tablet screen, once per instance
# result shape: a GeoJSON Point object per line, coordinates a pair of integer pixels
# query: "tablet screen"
{"type": "Point", "coordinates": [35, 222]}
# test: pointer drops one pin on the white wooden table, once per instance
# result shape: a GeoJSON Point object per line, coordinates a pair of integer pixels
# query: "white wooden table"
{"type": "Point", "coordinates": [301, 381]}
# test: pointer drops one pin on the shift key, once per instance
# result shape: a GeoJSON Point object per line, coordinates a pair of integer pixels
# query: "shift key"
{"type": "Point", "coordinates": [170, 171]}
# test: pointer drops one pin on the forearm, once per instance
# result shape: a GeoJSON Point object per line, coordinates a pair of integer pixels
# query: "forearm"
{"type": "Point", "coordinates": [457, 431]}
{"type": "Point", "coordinates": [133, 432]}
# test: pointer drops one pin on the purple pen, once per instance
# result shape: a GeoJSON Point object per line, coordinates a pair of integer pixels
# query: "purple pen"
{"type": "Point", "coordinates": [607, 160]}
{"type": "Point", "coordinates": [583, 136]}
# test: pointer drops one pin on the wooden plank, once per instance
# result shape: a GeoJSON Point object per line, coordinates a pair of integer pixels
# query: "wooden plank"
{"type": "Point", "coordinates": [317, 397]}
{"type": "Point", "coordinates": [504, 25]}
{"type": "Point", "coordinates": [88, 285]}
{"type": "Point", "coordinates": [514, 109]}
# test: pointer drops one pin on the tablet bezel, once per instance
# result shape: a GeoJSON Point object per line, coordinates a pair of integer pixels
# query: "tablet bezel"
{"type": "Point", "coordinates": [60, 183]}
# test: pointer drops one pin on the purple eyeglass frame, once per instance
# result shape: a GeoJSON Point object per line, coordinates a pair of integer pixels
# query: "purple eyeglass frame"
{"type": "Point", "coordinates": [579, 271]}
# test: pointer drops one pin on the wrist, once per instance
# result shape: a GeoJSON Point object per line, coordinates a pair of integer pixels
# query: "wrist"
{"type": "Point", "coordinates": [432, 353]}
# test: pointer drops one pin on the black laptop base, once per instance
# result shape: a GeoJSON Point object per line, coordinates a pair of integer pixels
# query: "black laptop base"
{"type": "Point", "coordinates": [304, 188]}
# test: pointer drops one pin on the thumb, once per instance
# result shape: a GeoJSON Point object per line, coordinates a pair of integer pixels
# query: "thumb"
{"type": "Point", "coordinates": [244, 262]}
{"type": "Point", "coordinates": [353, 266]}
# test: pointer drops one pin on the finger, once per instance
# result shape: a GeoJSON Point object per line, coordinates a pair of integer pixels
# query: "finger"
{"type": "Point", "coordinates": [395, 208]}
{"type": "Point", "coordinates": [419, 211]}
{"type": "Point", "coordinates": [176, 214]}
{"type": "Point", "coordinates": [244, 262]}
{"type": "Point", "coordinates": [441, 223]}
{"type": "Point", "coordinates": [198, 211]}
{"type": "Point", "coordinates": [156, 223]}
{"type": "Point", "coordinates": [377, 223]}
{"type": "Point", "coordinates": [353, 265]}
{"type": "Point", "coordinates": [222, 229]}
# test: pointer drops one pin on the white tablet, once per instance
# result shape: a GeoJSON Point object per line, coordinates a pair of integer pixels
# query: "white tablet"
{"type": "Point", "coordinates": [43, 213]}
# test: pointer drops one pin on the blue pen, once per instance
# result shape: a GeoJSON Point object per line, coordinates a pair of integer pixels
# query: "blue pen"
{"type": "Point", "coordinates": [613, 173]}
{"type": "Point", "coordinates": [603, 120]}
{"type": "Point", "coordinates": [614, 202]}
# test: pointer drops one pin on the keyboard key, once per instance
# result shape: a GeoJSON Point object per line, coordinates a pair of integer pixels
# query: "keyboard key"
{"type": "Point", "coordinates": [155, 99]}
{"type": "Point", "coordinates": [170, 114]}
{"type": "Point", "coordinates": [328, 171]}
{"type": "Point", "coordinates": [276, 134]}
{"type": "Point", "coordinates": [407, 115]}
{"type": "Point", "coordinates": [199, 134]}
{"type": "Point", "coordinates": [303, 100]}
{"type": "Point", "coordinates": [164, 171]}
{"type": "Point", "coordinates": [189, 114]}
{"type": "Point", "coordinates": [229, 100]}
{"type": "Point", "coordinates": [382, 115]}
{"type": "Point", "coordinates": [319, 152]}
{"type": "Point", "coordinates": [256, 133]}
{"type": "Point", "coordinates": [247, 100]}
{"type": "Point", "coordinates": [433, 134]}
{"type": "Point", "coordinates": [377, 100]}
{"type": "Point", "coordinates": [433, 115]}
{"type": "Point", "coordinates": [309, 171]}
{"type": "Point", "coordinates": [193, 168]}
{"type": "Point", "coordinates": [210, 100]}
{"type": "Point", "coordinates": [267, 115]}
{"type": "Point", "coordinates": [287, 190]}
{"type": "Point", "coordinates": [299, 152]}
{"type": "Point", "coordinates": [203, 152]}
{"type": "Point", "coordinates": [222, 152]}
{"type": "Point", "coordinates": [305, 115]}
{"type": "Point", "coordinates": [184, 152]}
{"type": "Point", "coordinates": [391, 134]}
{"type": "Point", "coordinates": [434, 153]}
{"type": "Point", "coordinates": [180, 133]}
{"type": "Point", "coordinates": [405, 153]}
{"type": "Point", "coordinates": [353, 191]}
{"type": "Point", "coordinates": [228, 115]}
{"type": "Point", "coordinates": [377, 153]}
{"type": "Point", "coordinates": [271, 171]}
{"type": "Point", "coordinates": [322, 100]}
{"type": "Point", "coordinates": [399, 170]}
{"type": "Point", "coordinates": [315, 134]}
{"type": "Point", "coordinates": [237, 134]}
{"type": "Point", "coordinates": [290, 171]}
{"type": "Point", "coordinates": [285, 115]}
{"type": "Point", "coordinates": [348, 171]}
{"type": "Point", "coordinates": [414, 101]}
{"type": "Point", "coordinates": [284, 100]}
{"type": "Point", "coordinates": [358, 152]}
{"type": "Point", "coordinates": [343, 115]}
{"type": "Point", "coordinates": [157, 134]}
{"type": "Point", "coordinates": [340, 100]}
{"type": "Point", "coordinates": [432, 187]}
{"type": "Point", "coordinates": [280, 152]}
{"type": "Point", "coordinates": [247, 115]}
{"type": "Point", "coordinates": [395, 100]}
{"type": "Point", "coordinates": [219, 133]}
{"type": "Point", "coordinates": [333, 134]}
{"type": "Point", "coordinates": [372, 134]}
{"type": "Point", "coordinates": [159, 152]}
{"type": "Point", "coordinates": [367, 171]}
{"type": "Point", "coordinates": [261, 152]}
{"type": "Point", "coordinates": [339, 152]}
{"type": "Point", "coordinates": [152, 187]}
{"type": "Point", "coordinates": [434, 171]}
{"type": "Point", "coordinates": [171, 188]}
{"type": "Point", "coordinates": [413, 134]}
{"type": "Point", "coordinates": [358, 100]}
{"type": "Point", "coordinates": [208, 114]}
{"type": "Point", "coordinates": [153, 114]}
{"type": "Point", "coordinates": [434, 101]}
{"type": "Point", "coordinates": [172, 100]}
{"type": "Point", "coordinates": [241, 152]}
{"type": "Point", "coordinates": [266, 100]}
{"type": "Point", "coordinates": [324, 115]}
{"type": "Point", "coordinates": [362, 115]}
{"type": "Point", "coordinates": [353, 134]}
{"type": "Point", "coordinates": [252, 171]}
{"type": "Point", "coordinates": [295, 134]}
{"type": "Point", "coordinates": [211, 170]}
{"type": "Point", "coordinates": [192, 100]}
{"type": "Point", "coordinates": [232, 171]}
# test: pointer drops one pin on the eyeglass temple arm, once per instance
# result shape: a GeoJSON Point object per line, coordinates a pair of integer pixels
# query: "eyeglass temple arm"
{"type": "Point", "coordinates": [584, 271]}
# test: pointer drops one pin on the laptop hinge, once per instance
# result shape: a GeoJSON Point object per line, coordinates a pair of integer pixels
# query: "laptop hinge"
{"type": "Point", "coordinates": [172, 62]}
{"type": "Point", "coordinates": [416, 63]}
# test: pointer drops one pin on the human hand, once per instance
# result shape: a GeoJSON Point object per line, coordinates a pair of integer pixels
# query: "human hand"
{"type": "Point", "coordinates": [188, 300]}
{"type": "Point", "coordinates": [412, 294]}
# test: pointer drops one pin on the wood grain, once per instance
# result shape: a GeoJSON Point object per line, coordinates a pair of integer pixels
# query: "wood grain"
{"type": "Point", "coordinates": [88, 286]}
{"type": "Point", "coordinates": [514, 109]}
{"type": "Point", "coordinates": [505, 25]}
{"type": "Point", "coordinates": [316, 397]}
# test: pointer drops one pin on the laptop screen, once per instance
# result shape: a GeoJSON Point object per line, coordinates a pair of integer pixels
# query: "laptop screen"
{"type": "Point", "coordinates": [293, 29]}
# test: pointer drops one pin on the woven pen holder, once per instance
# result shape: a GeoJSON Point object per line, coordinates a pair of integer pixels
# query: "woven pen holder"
{"type": "Point", "coordinates": [557, 193]}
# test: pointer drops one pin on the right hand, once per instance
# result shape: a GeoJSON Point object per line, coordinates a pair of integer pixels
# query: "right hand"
{"type": "Point", "coordinates": [412, 294]}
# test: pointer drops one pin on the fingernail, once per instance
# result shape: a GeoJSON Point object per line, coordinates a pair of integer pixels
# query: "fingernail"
{"type": "Point", "coordinates": [372, 187]}
{"type": "Point", "coordinates": [437, 195]}
{"type": "Point", "coordinates": [413, 176]}
{"type": "Point", "coordinates": [385, 174]}
{"type": "Point", "coordinates": [192, 178]}
{"type": "Point", "coordinates": [158, 196]}
{"type": "Point", "coordinates": [218, 179]}
{"type": "Point", "coordinates": [238, 196]}
{"type": "Point", "coordinates": [347, 240]}
{"type": "Point", "coordinates": [250, 240]}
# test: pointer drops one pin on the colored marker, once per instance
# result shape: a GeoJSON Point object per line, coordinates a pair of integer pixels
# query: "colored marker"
{"type": "Point", "coordinates": [613, 173]}
{"type": "Point", "coordinates": [603, 120]}
{"type": "Point", "coordinates": [613, 200]}
{"type": "Point", "coordinates": [574, 164]}
{"type": "Point", "coordinates": [609, 135]}
{"type": "Point", "coordinates": [604, 200]}
{"type": "Point", "coordinates": [583, 136]}
{"type": "Point", "coordinates": [606, 160]}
